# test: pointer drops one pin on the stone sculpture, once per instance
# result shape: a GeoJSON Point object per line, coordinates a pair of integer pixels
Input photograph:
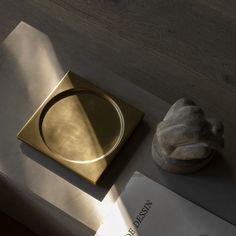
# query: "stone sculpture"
{"type": "Point", "coordinates": [185, 140]}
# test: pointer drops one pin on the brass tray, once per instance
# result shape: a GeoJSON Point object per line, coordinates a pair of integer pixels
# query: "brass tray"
{"type": "Point", "coordinates": [81, 126]}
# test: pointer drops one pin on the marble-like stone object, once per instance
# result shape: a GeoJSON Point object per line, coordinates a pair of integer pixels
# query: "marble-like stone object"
{"type": "Point", "coordinates": [186, 140]}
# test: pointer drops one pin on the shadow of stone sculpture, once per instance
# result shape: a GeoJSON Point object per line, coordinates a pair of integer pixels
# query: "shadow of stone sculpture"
{"type": "Point", "coordinates": [185, 140]}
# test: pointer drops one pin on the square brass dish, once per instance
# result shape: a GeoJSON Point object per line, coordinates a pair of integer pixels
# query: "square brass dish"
{"type": "Point", "coordinates": [80, 126]}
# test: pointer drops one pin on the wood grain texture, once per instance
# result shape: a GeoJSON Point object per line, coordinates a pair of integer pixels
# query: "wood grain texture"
{"type": "Point", "coordinates": [197, 34]}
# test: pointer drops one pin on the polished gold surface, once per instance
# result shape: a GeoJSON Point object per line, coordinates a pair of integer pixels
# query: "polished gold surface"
{"type": "Point", "coordinates": [80, 126]}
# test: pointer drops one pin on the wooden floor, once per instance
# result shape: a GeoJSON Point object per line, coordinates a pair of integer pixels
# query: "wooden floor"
{"type": "Point", "coordinates": [170, 48]}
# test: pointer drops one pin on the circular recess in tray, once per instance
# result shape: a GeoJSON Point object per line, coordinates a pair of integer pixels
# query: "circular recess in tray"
{"type": "Point", "coordinates": [81, 125]}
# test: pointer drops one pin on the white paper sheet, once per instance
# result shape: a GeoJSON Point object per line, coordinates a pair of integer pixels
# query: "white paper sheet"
{"type": "Point", "coordinates": [146, 208]}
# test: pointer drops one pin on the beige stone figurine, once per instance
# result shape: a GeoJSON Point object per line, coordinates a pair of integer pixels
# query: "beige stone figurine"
{"type": "Point", "coordinates": [185, 140]}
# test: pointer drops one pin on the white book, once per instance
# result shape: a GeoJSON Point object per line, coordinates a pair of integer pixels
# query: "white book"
{"type": "Point", "coordinates": [146, 208]}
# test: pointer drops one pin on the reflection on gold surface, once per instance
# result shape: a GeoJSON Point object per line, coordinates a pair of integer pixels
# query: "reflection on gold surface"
{"type": "Point", "coordinates": [81, 126]}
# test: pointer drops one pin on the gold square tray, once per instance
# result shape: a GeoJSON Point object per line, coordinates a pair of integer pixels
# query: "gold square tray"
{"type": "Point", "coordinates": [81, 126]}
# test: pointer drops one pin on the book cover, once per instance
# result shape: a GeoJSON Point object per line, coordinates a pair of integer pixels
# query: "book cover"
{"type": "Point", "coordinates": [146, 208]}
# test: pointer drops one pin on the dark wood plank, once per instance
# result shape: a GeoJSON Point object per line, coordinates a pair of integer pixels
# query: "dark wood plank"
{"type": "Point", "coordinates": [197, 34]}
